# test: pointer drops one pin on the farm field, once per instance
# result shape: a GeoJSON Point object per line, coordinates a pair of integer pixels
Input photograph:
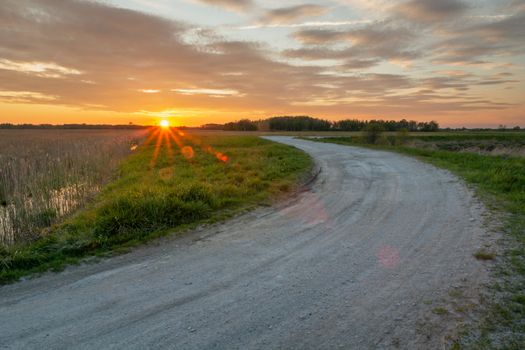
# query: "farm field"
{"type": "Point", "coordinates": [171, 180]}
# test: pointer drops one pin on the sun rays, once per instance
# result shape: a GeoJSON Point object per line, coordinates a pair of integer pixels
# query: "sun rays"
{"type": "Point", "coordinates": [173, 141]}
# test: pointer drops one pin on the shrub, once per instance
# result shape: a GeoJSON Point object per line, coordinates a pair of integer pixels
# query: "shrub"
{"type": "Point", "coordinates": [402, 137]}
{"type": "Point", "coordinates": [373, 132]}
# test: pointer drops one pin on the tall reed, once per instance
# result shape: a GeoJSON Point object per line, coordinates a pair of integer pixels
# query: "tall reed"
{"type": "Point", "coordinates": [47, 174]}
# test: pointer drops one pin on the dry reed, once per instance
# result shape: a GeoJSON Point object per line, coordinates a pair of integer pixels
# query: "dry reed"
{"type": "Point", "coordinates": [47, 174]}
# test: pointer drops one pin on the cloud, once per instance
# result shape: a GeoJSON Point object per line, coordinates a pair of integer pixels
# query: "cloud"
{"type": "Point", "coordinates": [41, 69]}
{"type": "Point", "coordinates": [209, 92]}
{"type": "Point", "coordinates": [508, 28]}
{"type": "Point", "coordinates": [431, 10]}
{"type": "Point", "coordinates": [375, 8]}
{"type": "Point", "coordinates": [318, 36]}
{"type": "Point", "coordinates": [366, 46]}
{"type": "Point", "coordinates": [316, 24]}
{"type": "Point", "coordinates": [130, 55]}
{"type": "Point", "coordinates": [89, 55]}
{"type": "Point", "coordinates": [475, 41]}
{"type": "Point", "coordinates": [288, 15]}
{"type": "Point", "coordinates": [231, 5]}
{"type": "Point", "coordinates": [376, 34]}
{"type": "Point", "coordinates": [24, 97]}
{"type": "Point", "coordinates": [149, 91]}
{"type": "Point", "coordinates": [484, 42]}
{"type": "Point", "coordinates": [351, 64]}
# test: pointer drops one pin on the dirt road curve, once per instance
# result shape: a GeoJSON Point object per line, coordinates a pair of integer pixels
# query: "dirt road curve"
{"type": "Point", "coordinates": [356, 262]}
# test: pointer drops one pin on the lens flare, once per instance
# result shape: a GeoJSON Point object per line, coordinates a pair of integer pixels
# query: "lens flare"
{"type": "Point", "coordinates": [187, 151]}
{"type": "Point", "coordinates": [164, 137]}
{"type": "Point", "coordinates": [222, 157]}
{"type": "Point", "coordinates": [388, 257]}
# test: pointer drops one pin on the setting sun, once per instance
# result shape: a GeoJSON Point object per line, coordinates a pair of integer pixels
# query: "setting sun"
{"type": "Point", "coordinates": [165, 123]}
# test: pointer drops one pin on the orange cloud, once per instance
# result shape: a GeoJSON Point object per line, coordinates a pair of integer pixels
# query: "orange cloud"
{"type": "Point", "coordinates": [86, 60]}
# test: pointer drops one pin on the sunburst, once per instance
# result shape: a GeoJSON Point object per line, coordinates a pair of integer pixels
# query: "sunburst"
{"type": "Point", "coordinates": [165, 137]}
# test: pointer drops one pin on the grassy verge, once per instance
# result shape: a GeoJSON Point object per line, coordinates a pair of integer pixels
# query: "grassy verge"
{"type": "Point", "coordinates": [160, 189]}
{"type": "Point", "coordinates": [500, 181]}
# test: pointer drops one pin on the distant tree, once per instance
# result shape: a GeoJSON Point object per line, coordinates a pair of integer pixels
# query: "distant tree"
{"type": "Point", "coordinates": [241, 125]}
{"type": "Point", "coordinates": [373, 132]}
{"type": "Point", "coordinates": [349, 125]}
{"type": "Point", "coordinates": [298, 123]}
{"type": "Point", "coordinates": [428, 127]}
{"type": "Point", "coordinates": [263, 125]}
{"type": "Point", "coordinates": [212, 126]}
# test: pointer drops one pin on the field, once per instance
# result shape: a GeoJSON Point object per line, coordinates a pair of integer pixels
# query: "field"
{"type": "Point", "coordinates": [47, 174]}
{"type": "Point", "coordinates": [171, 181]}
{"type": "Point", "coordinates": [486, 143]}
{"type": "Point", "coordinates": [499, 178]}
{"type": "Point", "coordinates": [489, 143]}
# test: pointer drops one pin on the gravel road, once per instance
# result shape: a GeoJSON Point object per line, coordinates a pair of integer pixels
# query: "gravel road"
{"type": "Point", "coordinates": [357, 261]}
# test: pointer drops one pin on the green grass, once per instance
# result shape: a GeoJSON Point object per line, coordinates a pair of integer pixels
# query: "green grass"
{"type": "Point", "coordinates": [440, 311]}
{"type": "Point", "coordinates": [152, 198]}
{"type": "Point", "coordinates": [501, 142]}
{"type": "Point", "coordinates": [500, 182]}
{"type": "Point", "coordinates": [483, 255]}
{"type": "Point", "coordinates": [518, 137]}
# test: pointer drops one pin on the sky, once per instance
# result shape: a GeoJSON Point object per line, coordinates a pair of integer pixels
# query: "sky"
{"type": "Point", "coordinates": [459, 62]}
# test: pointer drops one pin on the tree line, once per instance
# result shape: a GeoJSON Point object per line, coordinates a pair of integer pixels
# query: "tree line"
{"type": "Point", "coordinates": [386, 125]}
{"type": "Point", "coordinates": [306, 123]}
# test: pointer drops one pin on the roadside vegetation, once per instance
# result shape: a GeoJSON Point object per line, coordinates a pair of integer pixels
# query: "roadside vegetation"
{"type": "Point", "coordinates": [47, 174]}
{"type": "Point", "coordinates": [500, 181]}
{"type": "Point", "coordinates": [172, 182]}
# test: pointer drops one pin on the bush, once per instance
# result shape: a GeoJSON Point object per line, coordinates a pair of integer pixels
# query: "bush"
{"type": "Point", "coordinates": [373, 132]}
{"type": "Point", "coordinates": [402, 137]}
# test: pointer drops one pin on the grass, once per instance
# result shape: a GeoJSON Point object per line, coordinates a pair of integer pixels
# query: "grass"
{"type": "Point", "coordinates": [161, 189]}
{"type": "Point", "coordinates": [500, 181]}
{"type": "Point", "coordinates": [483, 255]}
{"type": "Point", "coordinates": [491, 143]}
{"type": "Point", "coordinates": [440, 310]}
{"type": "Point", "coordinates": [47, 174]}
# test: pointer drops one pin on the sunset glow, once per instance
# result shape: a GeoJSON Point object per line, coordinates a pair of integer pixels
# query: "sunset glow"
{"type": "Point", "coordinates": [165, 123]}
{"type": "Point", "coordinates": [460, 62]}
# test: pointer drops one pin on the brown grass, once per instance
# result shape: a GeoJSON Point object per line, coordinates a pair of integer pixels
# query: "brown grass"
{"type": "Point", "coordinates": [46, 174]}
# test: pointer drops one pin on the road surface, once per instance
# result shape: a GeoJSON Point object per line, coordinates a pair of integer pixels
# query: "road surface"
{"type": "Point", "coordinates": [358, 261]}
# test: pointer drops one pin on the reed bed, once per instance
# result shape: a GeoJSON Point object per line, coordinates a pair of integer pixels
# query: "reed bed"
{"type": "Point", "coordinates": [47, 174]}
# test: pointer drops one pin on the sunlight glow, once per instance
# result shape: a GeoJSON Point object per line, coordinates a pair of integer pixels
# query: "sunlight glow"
{"type": "Point", "coordinates": [164, 138]}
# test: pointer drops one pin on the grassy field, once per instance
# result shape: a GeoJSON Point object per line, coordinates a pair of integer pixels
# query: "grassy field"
{"type": "Point", "coordinates": [468, 134]}
{"type": "Point", "coordinates": [172, 182]}
{"type": "Point", "coordinates": [500, 181]}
